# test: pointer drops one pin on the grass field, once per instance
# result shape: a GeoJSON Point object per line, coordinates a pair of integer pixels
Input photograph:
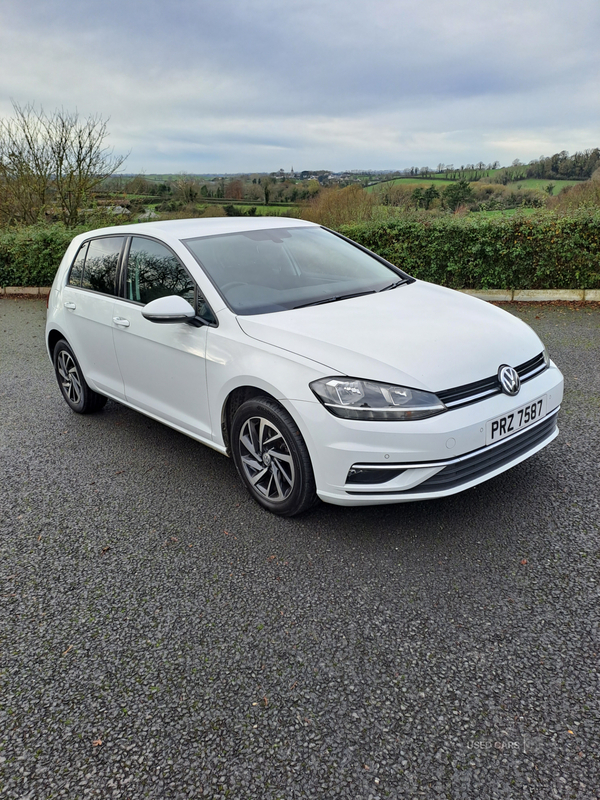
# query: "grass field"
{"type": "Point", "coordinates": [507, 212]}
{"type": "Point", "coordinates": [266, 210]}
{"type": "Point", "coordinates": [541, 183]}
{"type": "Point", "coordinates": [409, 182]}
{"type": "Point", "coordinates": [529, 183]}
{"type": "Point", "coordinates": [260, 208]}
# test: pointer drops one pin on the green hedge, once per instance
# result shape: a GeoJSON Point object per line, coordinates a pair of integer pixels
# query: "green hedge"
{"type": "Point", "coordinates": [30, 256]}
{"type": "Point", "coordinates": [541, 251]}
{"type": "Point", "coordinates": [538, 251]}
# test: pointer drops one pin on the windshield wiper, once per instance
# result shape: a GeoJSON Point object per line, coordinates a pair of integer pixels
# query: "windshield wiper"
{"type": "Point", "coordinates": [396, 283]}
{"type": "Point", "coordinates": [335, 298]}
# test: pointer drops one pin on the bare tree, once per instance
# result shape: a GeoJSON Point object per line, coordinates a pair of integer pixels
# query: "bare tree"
{"type": "Point", "coordinates": [25, 167]}
{"type": "Point", "coordinates": [234, 190]}
{"type": "Point", "coordinates": [187, 188]}
{"type": "Point", "coordinates": [56, 156]}
{"type": "Point", "coordinates": [80, 158]}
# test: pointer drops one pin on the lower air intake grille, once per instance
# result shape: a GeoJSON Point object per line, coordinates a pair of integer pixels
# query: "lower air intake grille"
{"type": "Point", "coordinates": [489, 458]}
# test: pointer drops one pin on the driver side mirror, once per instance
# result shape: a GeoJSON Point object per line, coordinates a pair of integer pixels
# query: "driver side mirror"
{"type": "Point", "coordinates": [168, 309]}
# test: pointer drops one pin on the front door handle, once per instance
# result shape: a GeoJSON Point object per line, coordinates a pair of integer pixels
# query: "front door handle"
{"type": "Point", "coordinates": [121, 321]}
{"type": "Point", "coordinates": [70, 305]}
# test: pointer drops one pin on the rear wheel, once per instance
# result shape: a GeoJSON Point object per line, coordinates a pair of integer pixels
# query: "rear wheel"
{"type": "Point", "coordinates": [72, 384]}
{"type": "Point", "coordinates": [271, 457]}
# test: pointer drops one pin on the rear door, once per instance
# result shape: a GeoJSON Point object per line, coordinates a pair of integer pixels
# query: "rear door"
{"type": "Point", "coordinates": [88, 299]}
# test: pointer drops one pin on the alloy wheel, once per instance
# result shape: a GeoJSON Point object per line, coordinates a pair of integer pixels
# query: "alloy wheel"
{"type": "Point", "coordinates": [69, 377]}
{"type": "Point", "coordinates": [266, 459]}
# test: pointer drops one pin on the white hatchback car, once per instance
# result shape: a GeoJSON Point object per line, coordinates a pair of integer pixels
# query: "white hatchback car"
{"type": "Point", "coordinates": [323, 370]}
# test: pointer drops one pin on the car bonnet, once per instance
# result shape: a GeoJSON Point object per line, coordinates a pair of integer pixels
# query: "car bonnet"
{"type": "Point", "coordinates": [420, 335]}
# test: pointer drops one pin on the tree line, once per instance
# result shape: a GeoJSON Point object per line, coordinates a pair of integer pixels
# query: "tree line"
{"type": "Point", "coordinates": [561, 166]}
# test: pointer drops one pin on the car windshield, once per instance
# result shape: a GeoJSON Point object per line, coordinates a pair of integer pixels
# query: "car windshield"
{"type": "Point", "coordinates": [263, 271]}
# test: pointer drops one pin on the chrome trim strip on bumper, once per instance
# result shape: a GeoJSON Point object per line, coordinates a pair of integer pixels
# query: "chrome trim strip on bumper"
{"type": "Point", "coordinates": [457, 459]}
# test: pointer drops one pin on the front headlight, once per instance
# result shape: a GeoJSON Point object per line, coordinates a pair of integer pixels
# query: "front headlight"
{"type": "Point", "coordinates": [355, 399]}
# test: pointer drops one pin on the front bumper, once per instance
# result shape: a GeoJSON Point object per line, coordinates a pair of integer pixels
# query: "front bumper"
{"type": "Point", "coordinates": [425, 459]}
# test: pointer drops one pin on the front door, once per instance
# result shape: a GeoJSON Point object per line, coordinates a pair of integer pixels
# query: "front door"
{"type": "Point", "coordinates": [163, 365]}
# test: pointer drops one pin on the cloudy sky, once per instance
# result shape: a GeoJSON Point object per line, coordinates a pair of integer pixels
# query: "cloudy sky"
{"type": "Point", "coordinates": [206, 86]}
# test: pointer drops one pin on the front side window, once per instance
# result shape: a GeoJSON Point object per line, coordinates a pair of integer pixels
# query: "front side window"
{"type": "Point", "coordinates": [100, 264]}
{"type": "Point", "coordinates": [154, 271]}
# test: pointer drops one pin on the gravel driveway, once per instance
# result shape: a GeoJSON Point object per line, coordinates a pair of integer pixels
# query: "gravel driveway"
{"type": "Point", "coordinates": [164, 637]}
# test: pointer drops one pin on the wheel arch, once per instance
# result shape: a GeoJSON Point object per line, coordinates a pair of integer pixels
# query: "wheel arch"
{"type": "Point", "coordinates": [277, 471]}
{"type": "Point", "coordinates": [233, 401]}
{"type": "Point", "coordinates": [54, 336]}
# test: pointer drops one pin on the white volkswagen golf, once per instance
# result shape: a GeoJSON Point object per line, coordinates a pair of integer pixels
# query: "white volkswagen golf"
{"type": "Point", "coordinates": [320, 368]}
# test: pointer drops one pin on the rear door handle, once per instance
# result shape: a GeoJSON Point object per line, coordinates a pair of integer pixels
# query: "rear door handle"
{"type": "Point", "coordinates": [72, 306]}
{"type": "Point", "coordinates": [121, 321]}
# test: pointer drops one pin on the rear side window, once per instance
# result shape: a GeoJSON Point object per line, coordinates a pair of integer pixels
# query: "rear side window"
{"type": "Point", "coordinates": [101, 262]}
{"type": "Point", "coordinates": [154, 271]}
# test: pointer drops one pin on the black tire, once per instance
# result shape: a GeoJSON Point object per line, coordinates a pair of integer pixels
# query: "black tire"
{"type": "Point", "coordinates": [271, 457]}
{"type": "Point", "coordinates": [74, 389]}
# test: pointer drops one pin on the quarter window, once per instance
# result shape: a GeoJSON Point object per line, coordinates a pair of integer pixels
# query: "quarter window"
{"type": "Point", "coordinates": [154, 271]}
{"type": "Point", "coordinates": [77, 268]}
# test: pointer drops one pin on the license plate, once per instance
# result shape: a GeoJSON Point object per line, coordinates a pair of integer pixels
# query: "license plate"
{"type": "Point", "coordinates": [501, 427]}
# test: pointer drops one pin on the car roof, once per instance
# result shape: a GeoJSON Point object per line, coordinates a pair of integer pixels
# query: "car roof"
{"type": "Point", "coordinates": [192, 228]}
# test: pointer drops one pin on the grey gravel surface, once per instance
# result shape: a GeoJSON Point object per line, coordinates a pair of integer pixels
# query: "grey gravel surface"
{"type": "Point", "coordinates": [164, 637]}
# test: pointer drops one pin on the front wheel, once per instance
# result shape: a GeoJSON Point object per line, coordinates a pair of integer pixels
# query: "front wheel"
{"type": "Point", "coordinates": [72, 384]}
{"type": "Point", "coordinates": [271, 457]}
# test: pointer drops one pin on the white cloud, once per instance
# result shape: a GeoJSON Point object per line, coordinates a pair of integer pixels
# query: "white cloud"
{"type": "Point", "coordinates": [237, 85]}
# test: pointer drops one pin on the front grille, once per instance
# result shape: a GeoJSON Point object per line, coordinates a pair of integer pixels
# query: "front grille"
{"type": "Point", "coordinates": [479, 390]}
{"type": "Point", "coordinates": [490, 458]}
